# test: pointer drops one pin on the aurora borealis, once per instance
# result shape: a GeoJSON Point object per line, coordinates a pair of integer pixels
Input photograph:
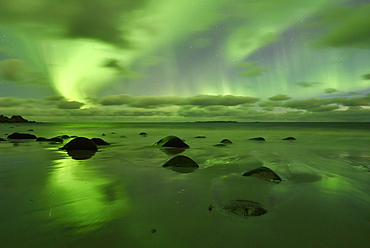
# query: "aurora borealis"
{"type": "Point", "coordinates": [281, 60]}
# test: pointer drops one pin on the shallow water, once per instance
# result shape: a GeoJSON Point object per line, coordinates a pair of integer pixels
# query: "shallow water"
{"type": "Point", "coordinates": [122, 197]}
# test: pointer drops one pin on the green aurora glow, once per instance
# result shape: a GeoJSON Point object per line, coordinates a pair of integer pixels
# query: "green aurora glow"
{"type": "Point", "coordinates": [86, 52]}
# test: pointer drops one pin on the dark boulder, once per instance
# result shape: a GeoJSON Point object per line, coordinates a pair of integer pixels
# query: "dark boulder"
{"type": "Point", "coordinates": [1, 139]}
{"type": "Point", "coordinates": [80, 154]}
{"type": "Point", "coordinates": [22, 136]}
{"type": "Point", "coordinates": [226, 141]}
{"type": "Point", "coordinates": [263, 173]}
{"type": "Point", "coordinates": [171, 141]}
{"type": "Point", "coordinates": [258, 139]}
{"type": "Point", "coordinates": [181, 161]}
{"type": "Point", "coordinates": [144, 134]}
{"type": "Point", "coordinates": [181, 164]}
{"type": "Point", "coordinates": [289, 138]}
{"type": "Point", "coordinates": [56, 140]}
{"type": "Point", "coordinates": [41, 139]}
{"type": "Point", "coordinates": [200, 137]}
{"type": "Point", "coordinates": [80, 143]}
{"type": "Point", "coordinates": [99, 142]}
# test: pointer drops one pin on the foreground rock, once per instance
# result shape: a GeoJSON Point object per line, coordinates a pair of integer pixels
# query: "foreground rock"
{"type": "Point", "coordinates": [226, 141]}
{"type": "Point", "coordinates": [263, 173]}
{"type": "Point", "coordinates": [171, 141]}
{"type": "Point", "coordinates": [181, 164]}
{"type": "Point", "coordinates": [244, 208]}
{"type": "Point", "coordinates": [22, 136]}
{"type": "Point", "coordinates": [80, 143]}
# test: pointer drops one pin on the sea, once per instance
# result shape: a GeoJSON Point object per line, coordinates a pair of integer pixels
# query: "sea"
{"type": "Point", "coordinates": [122, 196]}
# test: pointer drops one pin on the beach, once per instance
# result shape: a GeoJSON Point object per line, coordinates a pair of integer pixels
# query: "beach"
{"type": "Point", "coordinates": [122, 196]}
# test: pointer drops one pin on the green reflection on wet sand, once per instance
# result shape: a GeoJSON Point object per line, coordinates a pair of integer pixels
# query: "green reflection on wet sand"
{"type": "Point", "coordinates": [83, 198]}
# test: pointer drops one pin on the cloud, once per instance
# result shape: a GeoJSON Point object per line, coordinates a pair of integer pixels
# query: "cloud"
{"type": "Point", "coordinates": [114, 100]}
{"type": "Point", "coordinates": [69, 105]}
{"type": "Point", "coordinates": [346, 26]}
{"type": "Point", "coordinates": [18, 71]}
{"type": "Point", "coordinates": [225, 100]}
{"type": "Point", "coordinates": [313, 104]}
{"type": "Point", "coordinates": [13, 101]}
{"type": "Point", "coordinates": [252, 70]}
{"type": "Point", "coordinates": [279, 97]}
{"type": "Point", "coordinates": [354, 101]}
{"type": "Point", "coordinates": [102, 20]}
{"type": "Point", "coordinates": [330, 90]}
{"type": "Point", "coordinates": [160, 101]}
{"type": "Point", "coordinates": [269, 105]}
{"type": "Point", "coordinates": [305, 84]}
{"type": "Point", "coordinates": [366, 76]}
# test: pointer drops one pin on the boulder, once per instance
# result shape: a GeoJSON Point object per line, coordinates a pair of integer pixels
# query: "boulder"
{"type": "Point", "coordinates": [99, 142]}
{"type": "Point", "coordinates": [1, 139]}
{"type": "Point", "coordinates": [41, 139]}
{"type": "Point", "coordinates": [289, 138]}
{"type": "Point", "coordinates": [171, 141]}
{"type": "Point", "coordinates": [258, 139]}
{"type": "Point", "coordinates": [263, 173]}
{"type": "Point", "coordinates": [200, 137]}
{"type": "Point", "coordinates": [181, 161]}
{"type": "Point", "coordinates": [80, 143]}
{"type": "Point", "coordinates": [226, 141]}
{"type": "Point", "coordinates": [144, 134]}
{"type": "Point", "coordinates": [80, 154]}
{"type": "Point", "coordinates": [21, 136]}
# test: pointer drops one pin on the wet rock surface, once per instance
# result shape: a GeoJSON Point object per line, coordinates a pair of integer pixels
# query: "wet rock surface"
{"type": "Point", "coordinates": [171, 141]}
{"type": "Point", "coordinates": [226, 141]}
{"type": "Point", "coordinates": [263, 173]}
{"type": "Point", "coordinates": [80, 143]}
{"type": "Point", "coordinates": [181, 161]}
{"type": "Point", "coordinates": [22, 136]}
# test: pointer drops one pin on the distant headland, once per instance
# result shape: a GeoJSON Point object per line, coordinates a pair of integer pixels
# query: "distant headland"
{"type": "Point", "coordinates": [14, 119]}
{"type": "Point", "coordinates": [215, 122]}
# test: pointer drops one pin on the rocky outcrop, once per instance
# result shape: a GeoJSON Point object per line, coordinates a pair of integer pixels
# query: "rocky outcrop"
{"type": "Point", "coordinates": [21, 136]}
{"type": "Point", "coordinates": [14, 119]}
{"type": "Point", "coordinates": [171, 141]}
{"type": "Point", "coordinates": [80, 143]}
{"type": "Point", "coordinates": [263, 173]}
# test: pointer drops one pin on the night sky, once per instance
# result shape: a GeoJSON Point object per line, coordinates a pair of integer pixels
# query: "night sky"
{"type": "Point", "coordinates": [185, 60]}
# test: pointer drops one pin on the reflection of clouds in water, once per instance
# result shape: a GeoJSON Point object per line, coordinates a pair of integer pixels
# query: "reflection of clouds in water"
{"type": "Point", "coordinates": [81, 197]}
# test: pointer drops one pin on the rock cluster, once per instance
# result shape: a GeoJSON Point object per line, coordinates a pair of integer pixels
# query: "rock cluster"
{"type": "Point", "coordinates": [14, 119]}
